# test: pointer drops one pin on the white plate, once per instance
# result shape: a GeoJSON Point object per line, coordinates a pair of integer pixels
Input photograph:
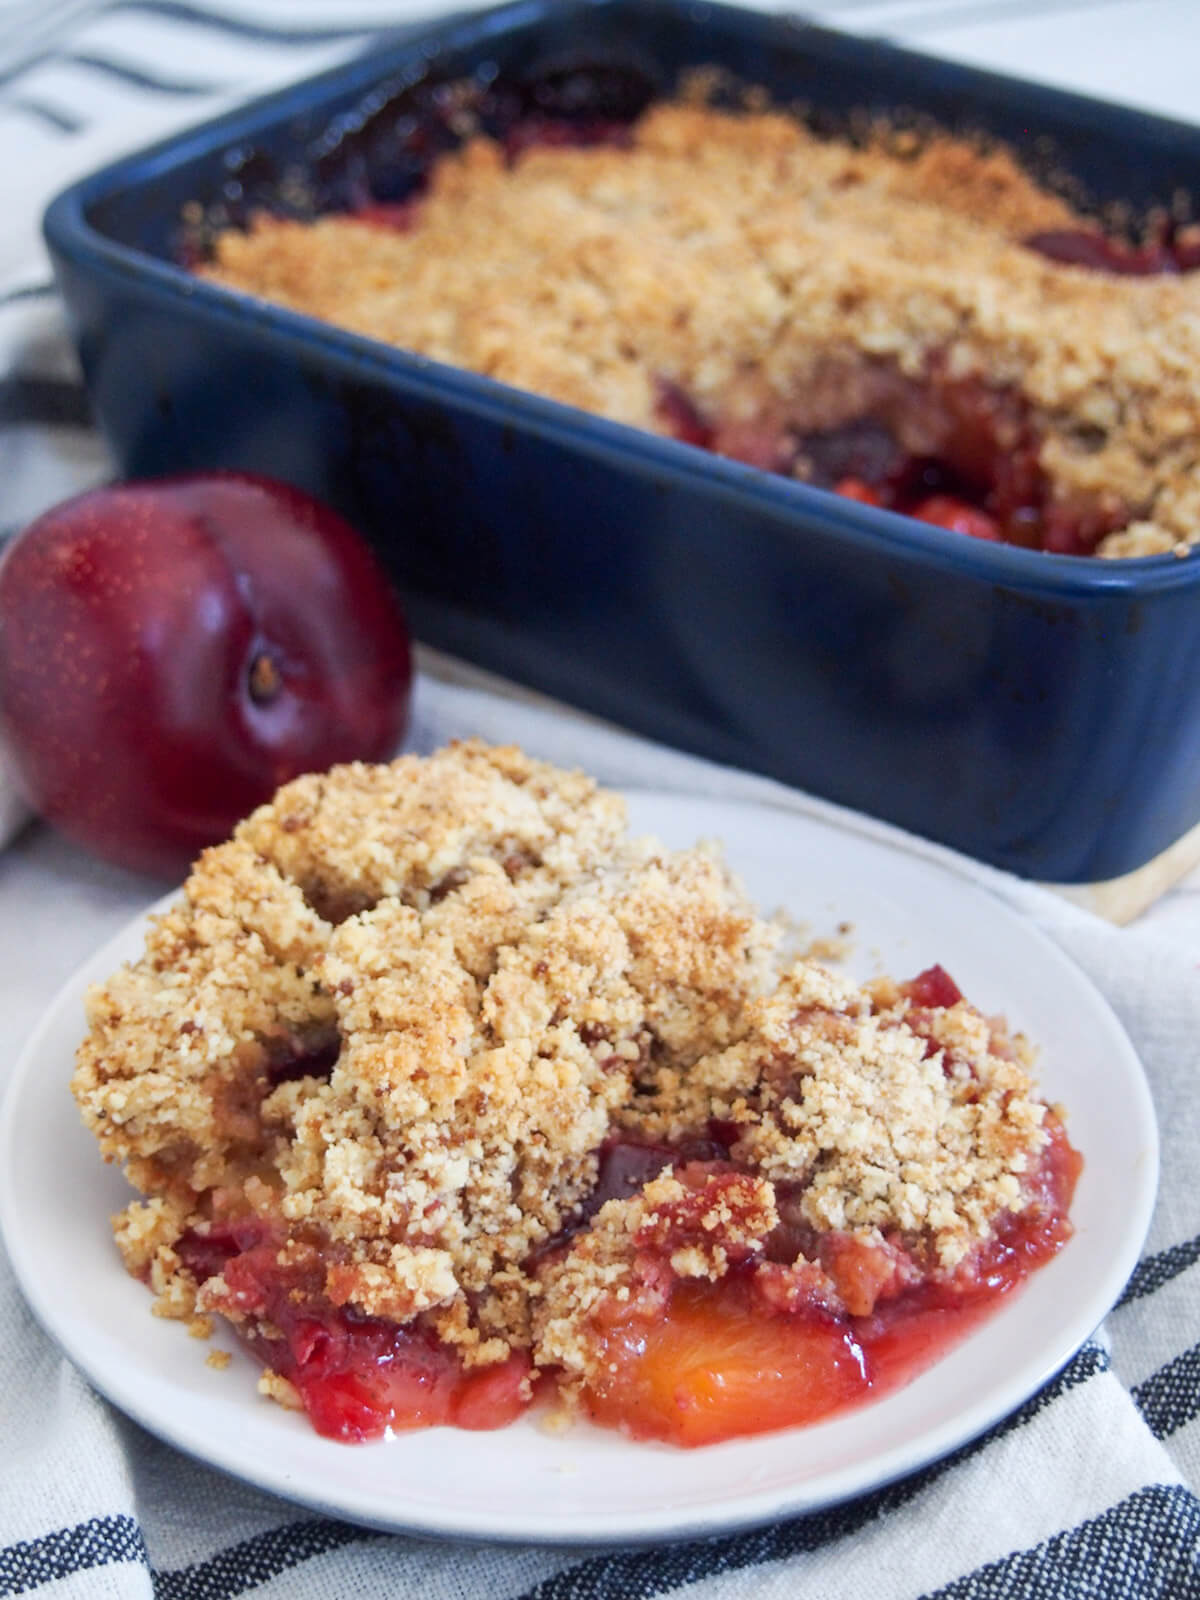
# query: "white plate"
{"type": "Point", "coordinates": [589, 1484]}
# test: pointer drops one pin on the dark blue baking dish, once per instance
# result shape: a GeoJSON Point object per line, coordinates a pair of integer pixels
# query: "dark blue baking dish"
{"type": "Point", "coordinates": [1039, 712]}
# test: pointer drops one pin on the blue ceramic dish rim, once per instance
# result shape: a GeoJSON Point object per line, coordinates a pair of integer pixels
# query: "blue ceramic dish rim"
{"type": "Point", "coordinates": [69, 233]}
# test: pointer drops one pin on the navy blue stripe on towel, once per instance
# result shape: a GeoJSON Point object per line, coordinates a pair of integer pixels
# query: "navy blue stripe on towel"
{"type": "Point", "coordinates": [242, 28]}
{"type": "Point", "coordinates": [1147, 1547]}
{"type": "Point", "coordinates": [255, 1561]}
{"type": "Point", "coordinates": [635, 1575]}
{"type": "Point", "coordinates": [1156, 1270]}
{"type": "Point", "coordinates": [97, 1543]}
{"type": "Point", "coordinates": [644, 1574]}
{"type": "Point", "coordinates": [50, 402]}
{"type": "Point", "coordinates": [1170, 1397]}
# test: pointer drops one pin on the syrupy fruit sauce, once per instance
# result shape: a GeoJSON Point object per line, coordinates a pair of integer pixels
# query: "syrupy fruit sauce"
{"type": "Point", "coordinates": [357, 1377]}
{"type": "Point", "coordinates": [769, 1346]}
{"type": "Point", "coordinates": [985, 480]}
{"type": "Point", "coordinates": [1169, 249]}
{"type": "Point", "coordinates": [373, 159]}
{"type": "Point", "coordinates": [731, 1359]}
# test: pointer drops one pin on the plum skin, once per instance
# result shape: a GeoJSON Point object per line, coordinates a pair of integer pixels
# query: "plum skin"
{"type": "Point", "coordinates": [171, 651]}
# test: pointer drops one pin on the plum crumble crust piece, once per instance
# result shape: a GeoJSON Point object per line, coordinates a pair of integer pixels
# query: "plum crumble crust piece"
{"type": "Point", "coordinates": [436, 1047]}
{"type": "Point", "coordinates": [892, 324]}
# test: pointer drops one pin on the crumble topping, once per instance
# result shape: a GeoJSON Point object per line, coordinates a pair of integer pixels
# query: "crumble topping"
{"type": "Point", "coordinates": [921, 1124]}
{"type": "Point", "coordinates": [276, 1388]}
{"type": "Point", "coordinates": [395, 1026]}
{"type": "Point", "coordinates": [608, 1276]}
{"type": "Point", "coordinates": [763, 273]}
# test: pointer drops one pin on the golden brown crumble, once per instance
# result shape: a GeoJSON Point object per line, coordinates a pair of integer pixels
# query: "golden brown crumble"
{"type": "Point", "coordinates": [763, 271]}
{"type": "Point", "coordinates": [607, 1270]}
{"type": "Point", "coordinates": [280, 1390]}
{"type": "Point", "coordinates": [805, 1087]}
{"type": "Point", "coordinates": [418, 1089]}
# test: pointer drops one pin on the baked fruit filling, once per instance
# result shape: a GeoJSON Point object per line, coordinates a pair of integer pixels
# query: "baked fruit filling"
{"type": "Point", "coordinates": [449, 1095]}
{"type": "Point", "coordinates": [915, 324]}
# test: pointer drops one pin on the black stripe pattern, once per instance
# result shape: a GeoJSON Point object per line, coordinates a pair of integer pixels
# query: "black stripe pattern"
{"type": "Point", "coordinates": [1170, 1397]}
{"type": "Point", "coordinates": [634, 1575]}
{"type": "Point", "coordinates": [192, 24]}
{"type": "Point", "coordinates": [243, 27]}
{"type": "Point", "coordinates": [1145, 1548]}
{"type": "Point", "coordinates": [50, 402]}
{"type": "Point", "coordinates": [27, 291]}
{"type": "Point", "coordinates": [643, 1574]}
{"type": "Point", "coordinates": [52, 116]}
{"type": "Point", "coordinates": [1155, 1271]}
{"type": "Point", "coordinates": [122, 72]}
{"type": "Point", "coordinates": [254, 1561]}
{"type": "Point", "coordinates": [98, 1543]}
{"type": "Point", "coordinates": [136, 77]}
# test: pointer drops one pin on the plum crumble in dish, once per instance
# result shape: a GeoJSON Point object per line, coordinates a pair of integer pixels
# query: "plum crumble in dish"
{"type": "Point", "coordinates": [921, 327]}
{"type": "Point", "coordinates": [448, 1094]}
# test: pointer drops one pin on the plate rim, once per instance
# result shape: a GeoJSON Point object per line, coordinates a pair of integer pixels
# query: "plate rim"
{"type": "Point", "coordinates": [745, 1511]}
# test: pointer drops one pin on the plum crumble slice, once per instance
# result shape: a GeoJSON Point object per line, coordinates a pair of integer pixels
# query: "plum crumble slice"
{"type": "Point", "coordinates": [923, 328]}
{"type": "Point", "coordinates": [446, 1092]}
